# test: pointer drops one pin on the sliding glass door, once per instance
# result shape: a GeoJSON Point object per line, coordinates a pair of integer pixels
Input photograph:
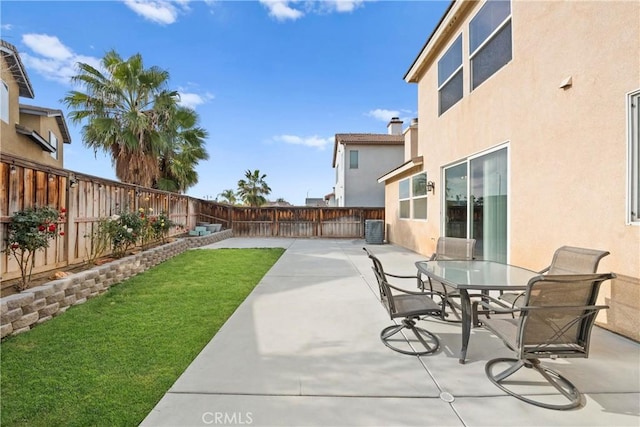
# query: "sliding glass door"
{"type": "Point", "coordinates": [476, 203]}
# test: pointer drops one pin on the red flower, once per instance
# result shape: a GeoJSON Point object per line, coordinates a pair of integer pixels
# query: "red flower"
{"type": "Point", "coordinates": [41, 228]}
{"type": "Point", "coordinates": [52, 227]}
{"type": "Point", "coordinates": [63, 210]}
{"type": "Point", "coordinates": [15, 246]}
{"type": "Point", "coordinates": [62, 233]}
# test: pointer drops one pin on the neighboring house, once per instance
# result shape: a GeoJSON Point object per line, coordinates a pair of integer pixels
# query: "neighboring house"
{"type": "Point", "coordinates": [330, 199]}
{"type": "Point", "coordinates": [315, 202]}
{"type": "Point", "coordinates": [359, 159]}
{"type": "Point", "coordinates": [32, 133]}
{"type": "Point", "coordinates": [529, 131]}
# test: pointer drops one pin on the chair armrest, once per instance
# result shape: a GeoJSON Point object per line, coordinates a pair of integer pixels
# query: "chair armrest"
{"type": "Point", "coordinates": [491, 305]}
{"type": "Point", "coordinates": [544, 270]}
{"type": "Point", "coordinates": [406, 291]}
{"type": "Point", "coordinates": [399, 276]}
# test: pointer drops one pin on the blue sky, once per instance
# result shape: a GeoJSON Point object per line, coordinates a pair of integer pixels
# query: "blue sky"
{"type": "Point", "coordinates": [272, 81]}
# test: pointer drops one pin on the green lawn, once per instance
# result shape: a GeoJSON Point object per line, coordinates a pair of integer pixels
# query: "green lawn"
{"type": "Point", "coordinates": [107, 362]}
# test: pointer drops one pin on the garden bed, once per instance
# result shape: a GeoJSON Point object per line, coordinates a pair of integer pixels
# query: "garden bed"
{"type": "Point", "coordinates": [31, 307]}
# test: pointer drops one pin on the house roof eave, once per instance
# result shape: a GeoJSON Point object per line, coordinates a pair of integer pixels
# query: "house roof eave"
{"type": "Point", "coordinates": [35, 137]}
{"type": "Point", "coordinates": [10, 53]}
{"type": "Point", "coordinates": [408, 165]}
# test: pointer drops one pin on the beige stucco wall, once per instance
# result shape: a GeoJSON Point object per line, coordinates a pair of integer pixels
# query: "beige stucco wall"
{"type": "Point", "coordinates": [567, 147]}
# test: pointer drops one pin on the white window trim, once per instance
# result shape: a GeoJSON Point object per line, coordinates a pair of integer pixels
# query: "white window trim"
{"type": "Point", "coordinates": [633, 144]}
{"type": "Point", "coordinates": [457, 70]}
{"type": "Point", "coordinates": [489, 38]}
{"type": "Point", "coordinates": [411, 198]}
{"type": "Point", "coordinates": [52, 136]}
{"type": "Point", "coordinates": [5, 102]}
{"type": "Point", "coordinates": [468, 160]}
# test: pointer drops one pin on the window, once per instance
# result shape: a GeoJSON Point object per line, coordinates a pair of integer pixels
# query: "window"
{"type": "Point", "coordinates": [413, 197]}
{"type": "Point", "coordinates": [53, 140]}
{"type": "Point", "coordinates": [450, 76]}
{"type": "Point", "coordinates": [476, 196]}
{"type": "Point", "coordinates": [353, 159]}
{"type": "Point", "coordinates": [633, 107]}
{"type": "Point", "coordinates": [4, 101]}
{"type": "Point", "coordinates": [489, 40]}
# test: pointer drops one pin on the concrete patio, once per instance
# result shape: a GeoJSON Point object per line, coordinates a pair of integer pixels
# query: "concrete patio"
{"type": "Point", "coordinates": [304, 350]}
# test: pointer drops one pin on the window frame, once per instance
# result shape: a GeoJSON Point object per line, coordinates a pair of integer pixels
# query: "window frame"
{"type": "Point", "coordinates": [472, 54]}
{"type": "Point", "coordinates": [53, 140]}
{"type": "Point", "coordinates": [633, 158]}
{"type": "Point", "coordinates": [4, 101]}
{"type": "Point", "coordinates": [357, 159]}
{"type": "Point", "coordinates": [458, 71]}
{"type": "Point", "coordinates": [412, 197]}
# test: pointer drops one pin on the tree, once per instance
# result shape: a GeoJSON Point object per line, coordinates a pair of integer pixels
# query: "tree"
{"type": "Point", "coordinates": [229, 196]}
{"type": "Point", "coordinates": [253, 189]}
{"type": "Point", "coordinates": [182, 152]}
{"type": "Point", "coordinates": [131, 114]}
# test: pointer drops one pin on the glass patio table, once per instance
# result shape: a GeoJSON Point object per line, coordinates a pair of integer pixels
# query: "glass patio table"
{"type": "Point", "coordinates": [476, 275]}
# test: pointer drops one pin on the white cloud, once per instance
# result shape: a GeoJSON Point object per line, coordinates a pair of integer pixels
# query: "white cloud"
{"type": "Point", "coordinates": [311, 141]}
{"type": "Point", "coordinates": [52, 58]}
{"type": "Point", "coordinates": [383, 115]}
{"type": "Point", "coordinates": [281, 10]}
{"type": "Point", "coordinates": [192, 100]}
{"type": "Point", "coordinates": [158, 11]}
{"type": "Point", "coordinates": [343, 6]}
{"type": "Point", "coordinates": [49, 46]}
{"type": "Point", "coordinates": [6, 27]}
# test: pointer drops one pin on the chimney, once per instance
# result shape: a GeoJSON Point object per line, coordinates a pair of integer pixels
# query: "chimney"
{"type": "Point", "coordinates": [395, 126]}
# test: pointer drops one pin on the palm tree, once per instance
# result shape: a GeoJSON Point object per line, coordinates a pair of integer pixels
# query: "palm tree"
{"type": "Point", "coordinates": [126, 107]}
{"type": "Point", "coordinates": [253, 189]}
{"type": "Point", "coordinates": [183, 150]}
{"type": "Point", "coordinates": [229, 196]}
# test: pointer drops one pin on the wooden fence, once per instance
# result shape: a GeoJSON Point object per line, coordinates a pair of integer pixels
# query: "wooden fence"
{"type": "Point", "coordinates": [88, 199]}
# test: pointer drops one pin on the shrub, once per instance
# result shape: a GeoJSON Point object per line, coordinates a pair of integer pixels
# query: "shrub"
{"type": "Point", "coordinates": [31, 230]}
{"type": "Point", "coordinates": [124, 230]}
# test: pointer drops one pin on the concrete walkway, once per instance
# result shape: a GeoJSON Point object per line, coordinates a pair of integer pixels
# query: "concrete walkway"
{"type": "Point", "coordinates": [304, 350]}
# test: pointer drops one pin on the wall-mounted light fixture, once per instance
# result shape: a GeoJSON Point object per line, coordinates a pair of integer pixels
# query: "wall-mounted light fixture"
{"type": "Point", "coordinates": [51, 177]}
{"type": "Point", "coordinates": [100, 186]}
{"type": "Point", "coordinates": [73, 182]}
{"type": "Point", "coordinates": [431, 186]}
{"type": "Point", "coordinates": [13, 168]}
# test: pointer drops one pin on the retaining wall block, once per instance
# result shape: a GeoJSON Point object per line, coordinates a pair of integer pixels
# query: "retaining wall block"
{"type": "Point", "coordinates": [49, 310]}
{"type": "Point", "coordinates": [6, 330]}
{"type": "Point", "coordinates": [61, 284]}
{"type": "Point", "coordinates": [73, 289]}
{"type": "Point", "coordinates": [25, 321]}
{"type": "Point", "coordinates": [35, 306]}
{"type": "Point", "coordinates": [56, 297]}
{"type": "Point", "coordinates": [41, 291]}
{"type": "Point", "coordinates": [11, 316]}
{"type": "Point", "coordinates": [68, 300]}
{"type": "Point", "coordinates": [21, 330]}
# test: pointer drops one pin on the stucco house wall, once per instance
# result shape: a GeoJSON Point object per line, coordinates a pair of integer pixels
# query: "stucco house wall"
{"type": "Point", "coordinates": [567, 147]}
{"type": "Point", "coordinates": [30, 118]}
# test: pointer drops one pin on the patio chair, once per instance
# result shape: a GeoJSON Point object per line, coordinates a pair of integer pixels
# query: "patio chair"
{"type": "Point", "coordinates": [451, 248]}
{"type": "Point", "coordinates": [408, 306]}
{"type": "Point", "coordinates": [566, 260]}
{"type": "Point", "coordinates": [555, 321]}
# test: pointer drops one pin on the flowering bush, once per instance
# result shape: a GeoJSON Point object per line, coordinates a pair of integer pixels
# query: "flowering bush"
{"type": "Point", "coordinates": [124, 230]}
{"type": "Point", "coordinates": [98, 240]}
{"type": "Point", "coordinates": [31, 230]}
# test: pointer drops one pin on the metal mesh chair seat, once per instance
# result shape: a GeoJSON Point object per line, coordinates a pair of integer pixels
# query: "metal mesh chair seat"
{"type": "Point", "coordinates": [566, 260]}
{"type": "Point", "coordinates": [410, 307]}
{"type": "Point", "coordinates": [555, 321]}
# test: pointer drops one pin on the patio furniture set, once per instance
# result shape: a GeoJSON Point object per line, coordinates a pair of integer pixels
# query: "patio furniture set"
{"type": "Point", "coordinates": [537, 314]}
